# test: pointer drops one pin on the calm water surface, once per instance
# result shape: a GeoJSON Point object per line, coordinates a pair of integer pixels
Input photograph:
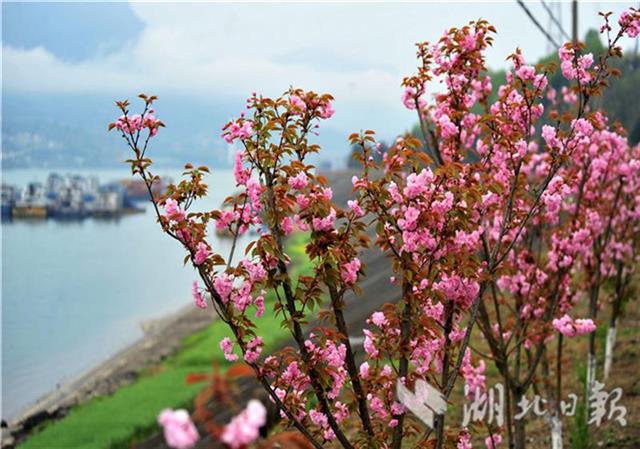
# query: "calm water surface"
{"type": "Point", "coordinates": [74, 293]}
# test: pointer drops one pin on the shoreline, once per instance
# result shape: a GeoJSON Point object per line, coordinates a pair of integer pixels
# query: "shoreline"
{"type": "Point", "coordinates": [161, 337]}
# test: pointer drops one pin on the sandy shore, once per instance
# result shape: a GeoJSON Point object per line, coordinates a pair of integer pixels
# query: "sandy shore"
{"type": "Point", "coordinates": [162, 337]}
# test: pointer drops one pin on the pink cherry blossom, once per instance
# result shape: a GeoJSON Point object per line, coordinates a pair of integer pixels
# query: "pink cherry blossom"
{"type": "Point", "coordinates": [298, 181]}
{"type": "Point", "coordinates": [129, 124]}
{"type": "Point", "coordinates": [253, 350]}
{"type": "Point", "coordinates": [202, 253]}
{"type": "Point", "coordinates": [151, 123]}
{"type": "Point", "coordinates": [303, 201]}
{"type": "Point", "coordinates": [458, 289]}
{"type": "Point", "coordinates": [377, 406]}
{"type": "Point", "coordinates": [526, 72]}
{"type": "Point", "coordinates": [493, 441]}
{"type": "Point", "coordinates": [355, 207]}
{"type": "Point", "coordinates": [223, 285]}
{"type": "Point", "coordinates": [378, 319]}
{"type": "Point", "coordinates": [409, 98]}
{"type": "Point", "coordinates": [197, 296]}
{"type": "Point", "coordinates": [287, 225]}
{"type": "Point", "coordinates": [575, 68]}
{"type": "Point", "coordinates": [448, 129]}
{"type": "Point", "coordinates": [227, 348]}
{"type": "Point", "coordinates": [244, 428]}
{"type": "Point", "coordinates": [326, 110]}
{"type": "Point", "coordinates": [630, 21]}
{"type": "Point", "coordinates": [474, 376]}
{"type": "Point", "coordinates": [241, 297]}
{"type": "Point", "coordinates": [256, 270]}
{"type": "Point", "coordinates": [173, 211]}
{"type": "Point", "coordinates": [326, 223]}
{"type": "Point", "coordinates": [259, 302]}
{"type": "Point", "coordinates": [369, 345]}
{"type": "Point", "coordinates": [570, 328]}
{"type": "Point", "coordinates": [297, 104]}
{"type": "Point", "coordinates": [226, 218]}
{"type": "Point", "coordinates": [350, 270]}
{"type": "Point", "coordinates": [240, 174]}
{"type": "Point", "coordinates": [417, 184]}
{"type": "Point", "coordinates": [241, 129]}
{"type": "Point", "coordinates": [179, 430]}
{"type": "Point", "coordinates": [464, 440]}
{"type": "Point", "coordinates": [364, 370]}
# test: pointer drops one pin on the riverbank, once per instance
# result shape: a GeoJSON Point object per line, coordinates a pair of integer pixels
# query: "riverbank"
{"type": "Point", "coordinates": [75, 291]}
{"type": "Point", "coordinates": [130, 388]}
{"type": "Point", "coordinates": [162, 338]}
{"type": "Point", "coordinates": [163, 361]}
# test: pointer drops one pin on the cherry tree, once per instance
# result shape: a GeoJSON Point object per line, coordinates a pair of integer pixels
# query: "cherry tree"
{"type": "Point", "coordinates": [492, 217]}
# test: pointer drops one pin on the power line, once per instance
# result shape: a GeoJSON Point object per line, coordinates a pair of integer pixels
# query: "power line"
{"type": "Point", "coordinates": [574, 21]}
{"type": "Point", "coordinates": [549, 46]}
{"type": "Point", "coordinates": [554, 20]}
{"type": "Point", "coordinates": [537, 24]}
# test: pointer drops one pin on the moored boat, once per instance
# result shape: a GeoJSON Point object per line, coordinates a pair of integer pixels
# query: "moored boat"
{"type": "Point", "coordinates": [32, 203]}
{"type": "Point", "coordinates": [8, 200]}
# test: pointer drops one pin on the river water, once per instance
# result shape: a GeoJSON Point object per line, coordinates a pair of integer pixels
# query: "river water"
{"type": "Point", "coordinates": [74, 293]}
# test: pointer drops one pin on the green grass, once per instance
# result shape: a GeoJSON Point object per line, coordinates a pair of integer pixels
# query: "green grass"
{"type": "Point", "coordinates": [579, 429]}
{"type": "Point", "coordinates": [131, 412]}
{"type": "Point", "coordinates": [296, 248]}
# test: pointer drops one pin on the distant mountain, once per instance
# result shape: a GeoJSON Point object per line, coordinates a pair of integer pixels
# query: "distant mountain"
{"type": "Point", "coordinates": [70, 131]}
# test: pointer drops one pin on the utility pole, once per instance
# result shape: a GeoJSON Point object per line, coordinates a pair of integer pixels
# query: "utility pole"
{"type": "Point", "coordinates": [634, 60]}
{"type": "Point", "coordinates": [574, 21]}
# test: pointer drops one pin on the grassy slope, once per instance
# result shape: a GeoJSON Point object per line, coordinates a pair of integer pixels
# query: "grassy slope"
{"type": "Point", "coordinates": [113, 421]}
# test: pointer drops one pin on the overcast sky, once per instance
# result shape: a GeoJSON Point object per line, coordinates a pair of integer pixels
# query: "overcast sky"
{"type": "Point", "coordinates": [357, 51]}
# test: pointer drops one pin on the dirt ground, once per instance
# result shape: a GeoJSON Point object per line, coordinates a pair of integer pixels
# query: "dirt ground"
{"type": "Point", "coordinates": [625, 374]}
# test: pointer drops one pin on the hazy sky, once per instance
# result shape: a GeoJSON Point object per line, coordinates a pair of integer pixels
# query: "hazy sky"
{"type": "Point", "coordinates": [357, 51]}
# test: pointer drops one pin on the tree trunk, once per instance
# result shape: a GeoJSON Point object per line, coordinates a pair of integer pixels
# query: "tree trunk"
{"type": "Point", "coordinates": [616, 310]}
{"type": "Point", "coordinates": [591, 365]}
{"type": "Point", "coordinates": [611, 342]}
{"type": "Point", "coordinates": [591, 358]}
{"type": "Point", "coordinates": [519, 434]}
{"type": "Point", "coordinates": [555, 425]}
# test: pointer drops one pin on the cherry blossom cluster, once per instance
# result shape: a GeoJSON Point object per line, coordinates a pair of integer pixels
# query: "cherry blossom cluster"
{"type": "Point", "coordinates": [179, 430]}
{"type": "Point", "coordinates": [573, 66]}
{"type": "Point", "coordinates": [137, 122]}
{"type": "Point", "coordinates": [569, 327]}
{"type": "Point", "coordinates": [240, 129]}
{"type": "Point", "coordinates": [244, 428]}
{"type": "Point", "coordinates": [132, 125]}
{"type": "Point", "coordinates": [457, 61]}
{"type": "Point", "coordinates": [630, 22]}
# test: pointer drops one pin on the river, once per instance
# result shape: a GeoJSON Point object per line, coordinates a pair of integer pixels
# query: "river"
{"type": "Point", "coordinates": [75, 292]}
